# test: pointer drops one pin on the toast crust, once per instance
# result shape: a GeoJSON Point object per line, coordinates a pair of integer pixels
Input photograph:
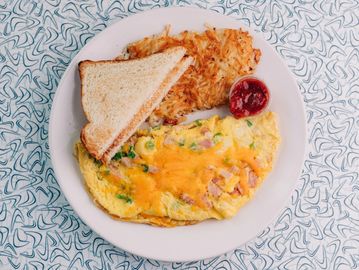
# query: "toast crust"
{"type": "Point", "coordinates": [90, 147]}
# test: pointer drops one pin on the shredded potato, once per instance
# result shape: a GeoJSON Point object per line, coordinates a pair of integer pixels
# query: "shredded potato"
{"type": "Point", "coordinates": [220, 56]}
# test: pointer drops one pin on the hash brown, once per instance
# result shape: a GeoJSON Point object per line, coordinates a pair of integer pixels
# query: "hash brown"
{"type": "Point", "coordinates": [220, 56]}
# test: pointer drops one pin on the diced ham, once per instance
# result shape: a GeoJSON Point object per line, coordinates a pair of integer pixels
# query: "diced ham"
{"type": "Point", "coordinates": [214, 189]}
{"type": "Point", "coordinates": [225, 174]}
{"type": "Point", "coordinates": [208, 135]}
{"type": "Point", "coordinates": [186, 198]}
{"type": "Point", "coordinates": [168, 140]}
{"type": "Point", "coordinates": [234, 169]}
{"type": "Point", "coordinates": [127, 162]}
{"type": "Point", "coordinates": [206, 143]}
{"type": "Point", "coordinates": [206, 201]}
{"type": "Point", "coordinates": [252, 179]}
{"type": "Point", "coordinates": [216, 180]}
{"type": "Point", "coordinates": [115, 171]}
{"type": "Point", "coordinates": [206, 132]}
{"type": "Point", "coordinates": [237, 190]}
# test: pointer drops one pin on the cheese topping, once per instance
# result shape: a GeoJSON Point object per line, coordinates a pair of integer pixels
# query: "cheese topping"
{"type": "Point", "coordinates": [186, 172]}
{"type": "Point", "coordinates": [207, 169]}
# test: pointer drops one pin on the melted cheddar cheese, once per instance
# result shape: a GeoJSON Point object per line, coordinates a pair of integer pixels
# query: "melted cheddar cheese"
{"type": "Point", "coordinates": [207, 169]}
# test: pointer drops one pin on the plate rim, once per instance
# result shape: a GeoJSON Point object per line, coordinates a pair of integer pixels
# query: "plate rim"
{"type": "Point", "coordinates": [98, 36]}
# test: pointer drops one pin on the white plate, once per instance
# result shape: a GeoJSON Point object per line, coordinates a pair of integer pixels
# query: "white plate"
{"type": "Point", "coordinates": [209, 238]}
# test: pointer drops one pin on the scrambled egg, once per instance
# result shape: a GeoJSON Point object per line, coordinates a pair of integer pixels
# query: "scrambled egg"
{"type": "Point", "coordinates": [178, 175]}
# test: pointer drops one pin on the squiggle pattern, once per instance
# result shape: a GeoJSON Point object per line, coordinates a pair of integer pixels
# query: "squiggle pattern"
{"type": "Point", "coordinates": [319, 229]}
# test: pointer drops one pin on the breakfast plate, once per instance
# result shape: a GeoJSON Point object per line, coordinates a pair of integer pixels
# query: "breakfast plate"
{"type": "Point", "coordinates": [209, 238]}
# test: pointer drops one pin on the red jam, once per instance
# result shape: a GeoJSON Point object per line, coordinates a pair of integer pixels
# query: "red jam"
{"type": "Point", "coordinates": [249, 96]}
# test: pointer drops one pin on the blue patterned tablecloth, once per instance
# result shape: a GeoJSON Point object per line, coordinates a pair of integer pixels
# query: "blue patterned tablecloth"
{"type": "Point", "coordinates": [318, 229]}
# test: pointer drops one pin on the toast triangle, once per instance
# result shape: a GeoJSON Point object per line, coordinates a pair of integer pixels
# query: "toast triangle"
{"type": "Point", "coordinates": [118, 95]}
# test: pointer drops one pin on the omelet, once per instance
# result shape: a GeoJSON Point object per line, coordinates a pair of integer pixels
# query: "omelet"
{"type": "Point", "coordinates": [179, 175]}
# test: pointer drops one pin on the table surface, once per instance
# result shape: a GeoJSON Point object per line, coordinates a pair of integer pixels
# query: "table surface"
{"type": "Point", "coordinates": [318, 229]}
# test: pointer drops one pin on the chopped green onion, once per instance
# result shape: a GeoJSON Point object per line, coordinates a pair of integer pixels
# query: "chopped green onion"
{"type": "Point", "coordinates": [99, 176]}
{"type": "Point", "coordinates": [107, 172]}
{"type": "Point", "coordinates": [181, 143]}
{"type": "Point", "coordinates": [150, 145]}
{"type": "Point", "coordinates": [131, 154]}
{"type": "Point", "coordinates": [124, 197]}
{"type": "Point", "coordinates": [145, 167]}
{"type": "Point", "coordinates": [119, 155]}
{"type": "Point", "coordinates": [252, 146]}
{"type": "Point", "coordinates": [193, 146]}
{"type": "Point", "coordinates": [217, 137]}
{"type": "Point", "coordinates": [198, 123]}
{"type": "Point", "coordinates": [249, 123]}
{"type": "Point", "coordinates": [98, 162]}
{"type": "Point", "coordinates": [156, 127]}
